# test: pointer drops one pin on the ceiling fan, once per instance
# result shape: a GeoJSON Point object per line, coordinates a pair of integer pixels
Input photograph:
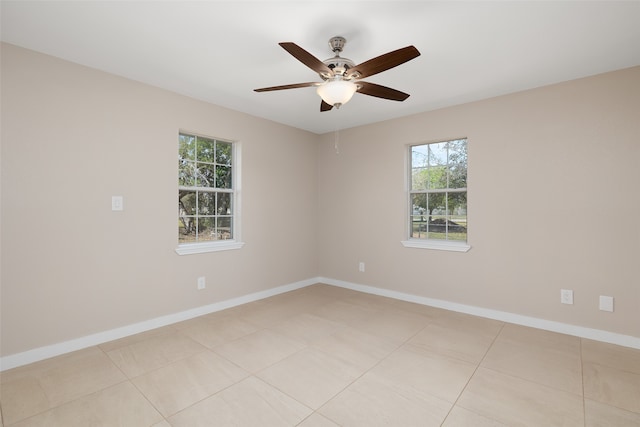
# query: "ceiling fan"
{"type": "Point", "coordinates": [341, 76]}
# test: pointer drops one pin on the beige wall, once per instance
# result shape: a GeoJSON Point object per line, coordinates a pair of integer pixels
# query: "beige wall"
{"type": "Point", "coordinates": [554, 200]}
{"type": "Point", "coordinates": [72, 137]}
{"type": "Point", "coordinates": [553, 203]}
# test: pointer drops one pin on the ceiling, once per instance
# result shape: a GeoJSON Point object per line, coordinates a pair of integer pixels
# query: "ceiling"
{"type": "Point", "coordinates": [219, 51]}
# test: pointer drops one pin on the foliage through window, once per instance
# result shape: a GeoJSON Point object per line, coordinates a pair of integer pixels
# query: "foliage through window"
{"type": "Point", "coordinates": [205, 189]}
{"type": "Point", "coordinates": [438, 191]}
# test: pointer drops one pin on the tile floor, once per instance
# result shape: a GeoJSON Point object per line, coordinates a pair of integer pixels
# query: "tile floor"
{"type": "Point", "coordinates": [324, 356]}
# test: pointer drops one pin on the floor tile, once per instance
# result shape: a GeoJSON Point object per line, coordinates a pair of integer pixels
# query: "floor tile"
{"type": "Point", "coordinates": [358, 348]}
{"type": "Point", "coordinates": [153, 353]}
{"type": "Point", "coordinates": [393, 324]}
{"type": "Point", "coordinates": [34, 388]}
{"type": "Point", "coordinates": [305, 299]}
{"type": "Point", "coordinates": [258, 350]}
{"type": "Point", "coordinates": [317, 420]}
{"type": "Point", "coordinates": [419, 371]}
{"type": "Point", "coordinates": [310, 376]}
{"type": "Point", "coordinates": [369, 402]}
{"type": "Point", "coordinates": [183, 383]}
{"type": "Point", "coordinates": [615, 356]}
{"type": "Point", "coordinates": [120, 405]}
{"type": "Point", "coordinates": [612, 386]}
{"type": "Point", "coordinates": [461, 336]}
{"type": "Point", "coordinates": [132, 339]}
{"type": "Point", "coordinates": [213, 331]}
{"type": "Point", "coordinates": [334, 292]}
{"type": "Point", "coordinates": [250, 403]}
{"type": "Point", "coordinates": [460, 417]}
{"type": "Point", "coordinates": [600, 415]}
{"type": "Point", "coordinates": [517, 402]}
{"type": "Point", "coordinates": [374, 302]}
{"type": "Point", "coordinates": [306, 327]}
{"type": "Point", "coordinates": [269, 312]}
{"type": "Point", "coordinates": [345, 312]}
{"type": "Point", "coordinates": [546, 357]}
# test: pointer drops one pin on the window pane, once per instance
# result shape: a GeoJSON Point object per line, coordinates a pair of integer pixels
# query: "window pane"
{"type": "Point", "coordinates": [223, 177]}
{"type": "Point", "coordinates": [186, 173]}
{"type": "Point", "coordinates": [419, 216]}
{"type": "Point", "coordinates": [458, 164]}
{"type": "Point", "coordinates": [187, 147]}
{"type": "Point", "coordinates": [419, 177]}
{"type": "Point", "coordinates": [224, 204]}
{"type": "Point", "coordinates": [206, 228]}
{"type": "Point", "coordinates": [438, 154]}
{"type": "Point", "coordinates": [437, 227]}
{"type": "Point", "coordinates": [206, 203]}
{"type": "Point", "coordinates": [223, 153]}
{"type": "Point", "coordinates": [206, 150]}
{"type": "Point", "coordinates": [437, 177]}
{"type": "Point", "coordinates": [436, 203]}
{"type": "Point", "coordinates": [224, 228]}
{"type": "Point", "coordinates": [457, 216]}
{"type": "Point", "coordinates": [457, 203]}
{"type": "Point", "coordinates": [419, 156]}
{"type": "Point", "coordinates": [186, 229]}
{"type": "Point", "coordinates": [419, 203]}
{"type": "Point", "coordinates": [187, 202]}
{"type": "Point", "coordinates": [206, 175]}
{"type": "Point", "coordinates": [418, 227]}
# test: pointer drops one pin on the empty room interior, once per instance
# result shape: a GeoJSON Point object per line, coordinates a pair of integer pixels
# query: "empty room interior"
{"type": "Point", "coordinates": [435, 226]}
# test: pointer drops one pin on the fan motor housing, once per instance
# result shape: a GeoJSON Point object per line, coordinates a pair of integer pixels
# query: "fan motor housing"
{"type": "Point", "coordinates": [338, 64]}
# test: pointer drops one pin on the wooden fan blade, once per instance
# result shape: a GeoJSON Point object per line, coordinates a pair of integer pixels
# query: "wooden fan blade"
{"type": "Point", "coordinates": [383, 62]}
{"type": "Point", "coordinates": [292, 86]}
{"type": "Point", "coordinates": [325, 106]}
{"type": "Point", "coordinates": [379, 91]}
{"type": "Point", "coordinates": [306, 58]}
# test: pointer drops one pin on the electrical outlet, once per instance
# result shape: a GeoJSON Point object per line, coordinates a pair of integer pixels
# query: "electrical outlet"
{"type": "Point", "coordinates": [361, 267]}
{"type": "Point", "coordinates": [606, 303]}
{"type": "Point", "coordinates": [566, 296]}
{"type": "Point", "coordinates": [201, 283]}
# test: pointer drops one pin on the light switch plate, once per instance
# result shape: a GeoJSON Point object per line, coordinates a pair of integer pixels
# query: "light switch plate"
{"type": "Point", "coordinates": [117, 203]}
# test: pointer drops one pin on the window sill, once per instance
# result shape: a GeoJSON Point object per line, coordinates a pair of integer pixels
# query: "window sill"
{"type": "Point", "coordinates": [200, 248]}
{"type": "Point", "coordinates": [438, 245]}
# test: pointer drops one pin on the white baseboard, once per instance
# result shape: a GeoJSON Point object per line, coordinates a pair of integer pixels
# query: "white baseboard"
{"type": "Point", "coordinates": [41, 353]}
{"type": "Point", "coordinates": [534, 322]}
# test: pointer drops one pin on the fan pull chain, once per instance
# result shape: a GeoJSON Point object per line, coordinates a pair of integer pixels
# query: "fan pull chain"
{"type": "Point", "coordinates": [336, 141]}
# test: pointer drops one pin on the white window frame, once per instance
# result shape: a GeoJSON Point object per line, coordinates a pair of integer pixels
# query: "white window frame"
{"type": "Point", "coordinates": [221, 245]}
{"type": "Point", "coordinates": [436, 244]}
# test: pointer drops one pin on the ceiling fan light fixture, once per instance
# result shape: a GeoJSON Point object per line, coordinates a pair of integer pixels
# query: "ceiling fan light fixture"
{"type": "Point", "coordinates": [337, 92]}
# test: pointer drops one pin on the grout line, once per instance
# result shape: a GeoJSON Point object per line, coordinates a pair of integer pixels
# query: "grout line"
{"type": "Point", "coordinates": [471, 377]}
{"type": "Point", "coordinates": [584, 403]}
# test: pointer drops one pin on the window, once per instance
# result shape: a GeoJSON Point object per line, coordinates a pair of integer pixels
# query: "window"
{"type": "Point", "coordinates": [438, 195]}
{"type": "Point", "coordinates": [207, 202]}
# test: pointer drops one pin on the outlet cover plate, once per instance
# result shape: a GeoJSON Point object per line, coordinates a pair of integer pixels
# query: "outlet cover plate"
{"type": "Point", "coordinates": [606, 303]}
{"type": "Point", "coordinates": [566, 296]}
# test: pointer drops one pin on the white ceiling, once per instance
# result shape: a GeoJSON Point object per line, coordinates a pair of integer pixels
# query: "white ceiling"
{"type": "Point", "coordinates": [219, 51]}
